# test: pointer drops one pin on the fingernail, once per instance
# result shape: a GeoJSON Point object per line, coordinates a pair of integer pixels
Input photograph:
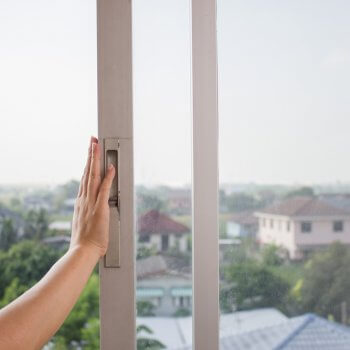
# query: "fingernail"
{"type": "Point", "coordinates": [110, 166]}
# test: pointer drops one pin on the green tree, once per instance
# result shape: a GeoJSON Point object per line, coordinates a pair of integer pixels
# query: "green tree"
{"type": "Point", "coordinates": [326, 283]}
{"type": "Point", "coordinates": [12, 291]}
{"type": "Point", "coordinates": [302, 191]}
{"type": "Point", "coordinates": [252, 285]}
{"type": "Point", "coordinates": [271, 255]}
{"type": "Point", "coordinates": [36, 224]}
{"type": "Point", "coordinates": [147, 343]}
{"type": "Point", "coordinates": [146, 202]}
{"type": "Point", "coordinates": [8, 235]}
{"type": "Point", "coordinates": [28, 261]}
{"type": "Point", "coordinates": [237, 202]}
{"type": "Point", "coordinates": [90, 335]}
{"type": "Point", "coordinates": [77, 326]}
{"type": "Point", "coordinates": [66, 191]}
{"type": "Point", "coordinates": [145, 308]}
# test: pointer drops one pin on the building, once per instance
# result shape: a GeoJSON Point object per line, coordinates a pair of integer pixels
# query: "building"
{"type": "Point", "coordinates": [302, 225]}
{"type": "Point", "coordinates": [61, 227]}
{"type": "Point", "coordinates": [241, 225]}
{"type": "Point", "coordinates": [158, 231]}
{"type": "Point", "coordinates": [297, 333]}
{"type": "Point", "coordinates": [57, 242]}
{"type": "Point", "coordinates": [165, 282]}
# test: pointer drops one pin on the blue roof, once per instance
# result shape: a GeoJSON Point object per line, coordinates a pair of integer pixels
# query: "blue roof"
{"type": "Point", "coordinates": [306, 332]}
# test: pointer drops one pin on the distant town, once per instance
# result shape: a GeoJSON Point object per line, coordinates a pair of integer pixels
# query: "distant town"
{"type": "Point", "coordinates": [284, 256]}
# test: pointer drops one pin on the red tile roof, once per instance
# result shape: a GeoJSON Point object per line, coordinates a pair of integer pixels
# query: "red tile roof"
{"type": "Point", "coordinates": [304, 206]}
{"type": "Point", "coordinates": [154, 222]}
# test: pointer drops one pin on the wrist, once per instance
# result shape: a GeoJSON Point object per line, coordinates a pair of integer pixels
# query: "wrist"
{"type": "Point", "coordinates": [89, 250]}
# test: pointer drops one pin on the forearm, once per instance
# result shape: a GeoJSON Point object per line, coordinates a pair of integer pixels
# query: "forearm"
{"type": "Point", "coordinates": [32, 319]}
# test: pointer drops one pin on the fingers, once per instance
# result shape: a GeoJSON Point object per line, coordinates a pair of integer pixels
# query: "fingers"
{"type": "Point", "coordinates": [87, 167]}
{"type": "Point", "coordinates": [94, 176]}
{"type": "Point", "coordinates": [105, 187]}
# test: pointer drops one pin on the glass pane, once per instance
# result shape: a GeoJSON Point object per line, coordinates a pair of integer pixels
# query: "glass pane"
{"type": "Point", "coordinates": [162, 132]}
{"type": "Point", "coordinates": [48, 111]}
{"type": "Point", "coordinates": [284, 176]}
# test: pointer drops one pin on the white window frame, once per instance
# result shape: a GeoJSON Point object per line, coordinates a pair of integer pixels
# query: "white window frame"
{"type": "Point", "coordinates": [115, 120]}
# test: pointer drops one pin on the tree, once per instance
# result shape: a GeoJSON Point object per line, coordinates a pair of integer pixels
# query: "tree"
{"type": "Point", "coordinates": [147, 343]}
{"type": "Point", "coordinates": [326, 283]}
{"type": "Point", "coordinates": [146, 202]}
{"type": "Point", "coordinates": [90, 335]}
{"type": "Point", "coordinates": [237, 202]}
{"type": "Point", "coordinates": [271, 255]}
{"type": "Point", "coordinates": [79, 324]}
{"type": "Point", "coordinates": [28, 261]}
{"type": "Point", "coordinates": [36, 224]}
{"type": "Point", "coordinates": [302, 191]}
{"type": "Point", "coordinates": [252, 285]}
{"type": "Point", "coordinates": [145, 308]}
{"type": "Point", "coordinates": [66, 191]}
{"type": "Point", "coordinates": [8, 235]}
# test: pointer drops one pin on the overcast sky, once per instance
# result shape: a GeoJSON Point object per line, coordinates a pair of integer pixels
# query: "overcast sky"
{"type": "Point", "coordinates": [284, 76]}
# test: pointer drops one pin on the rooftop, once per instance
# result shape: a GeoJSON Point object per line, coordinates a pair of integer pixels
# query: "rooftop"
{"type": "Point", "coordinates": [154, 222]}
{"type": "Point", "coordinates": [176, 333]}
{"type": "Point", "coordinates": [298, 333]}
{"type": "Point", "coordinates": [244, 218]}
{"type": "Point", "coordinates": [304, 206]}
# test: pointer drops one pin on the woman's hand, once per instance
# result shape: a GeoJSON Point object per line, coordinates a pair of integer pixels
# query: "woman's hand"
{"type": "Point", "coordinates": [91, 211]}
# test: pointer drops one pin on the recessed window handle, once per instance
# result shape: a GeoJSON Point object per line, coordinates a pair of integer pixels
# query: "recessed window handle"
{"type": "Point", "coordinates": [112, 153]}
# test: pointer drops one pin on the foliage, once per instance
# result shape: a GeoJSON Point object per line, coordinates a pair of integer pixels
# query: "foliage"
{"type": "Point", "coordinates": [237, 202]}
{"type": "Point", "coordinates": [146, 202]}
{"type": "Point", "coordinates": [302, 191]}
{"type": "Point", "coordinates": [182, 312]}
{"type": "Point", "coordinates": [12, 291]}
{"type": "Point", "coordinates": [85, 309]}
{"type": "Point", "coordinates": [28, 261]}
{"type": "Point", "coordinates": [327, 282]}
{"type": "Point", "coordinates": [90, 334]}
{"type": "Point", "coordinates": [252, 286]}
{"type": "Point", "coordinates": [66, 191]}
{"type": "Point", "coordinates": [271, 255]}
{"type": "Point", "coordinates": [36, 224]}
{"type": "Point", "coordinates": [8, 235]}
{"type": "Point", "coordinates": [146, 343]}
{"type": "Point", "coordinates": [145, 252]}
{"type": "Point", "coordinates": [145, 308]}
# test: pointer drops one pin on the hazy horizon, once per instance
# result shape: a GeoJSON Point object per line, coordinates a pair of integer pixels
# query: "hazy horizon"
{"type": "Point", "coordinates": [283, 83]}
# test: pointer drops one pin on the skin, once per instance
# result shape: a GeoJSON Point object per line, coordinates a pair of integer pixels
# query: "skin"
{"type": "Point", "coordinates": [32, 319]}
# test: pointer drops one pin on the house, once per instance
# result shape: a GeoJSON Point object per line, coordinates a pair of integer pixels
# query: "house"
{"type": "Point", "coordinates": [297, 333]}
{"type": "Point", "coordinates": [57, 242]}
{"type": "Point", "coordinates": [243, 224]}
{"type": "Point", "coordinates": [165, 282]}
{"type": "Point", "coordinates": [34, 202]}
{"type": "Point", "coordinates": [302, 225]}
{"type": "Point", "coordinates": [157, 230]}
{"type": "Point", "coordinates": [62, 227]}
{"type": "Point", "coordinates": [340, 200]}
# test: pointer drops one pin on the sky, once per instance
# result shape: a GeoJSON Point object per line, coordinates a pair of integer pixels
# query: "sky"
{"type": "Point", "coordinates": [284, 75]}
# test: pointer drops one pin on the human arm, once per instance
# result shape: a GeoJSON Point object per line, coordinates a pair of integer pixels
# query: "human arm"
{"type": "Point", "coordinates": [33, 318]}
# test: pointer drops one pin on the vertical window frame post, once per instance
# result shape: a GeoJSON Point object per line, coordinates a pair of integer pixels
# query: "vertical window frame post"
{"type": "Point", "coordinates": [205, 176]}
{"type": "Point", "coordinates": [115, 120]}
